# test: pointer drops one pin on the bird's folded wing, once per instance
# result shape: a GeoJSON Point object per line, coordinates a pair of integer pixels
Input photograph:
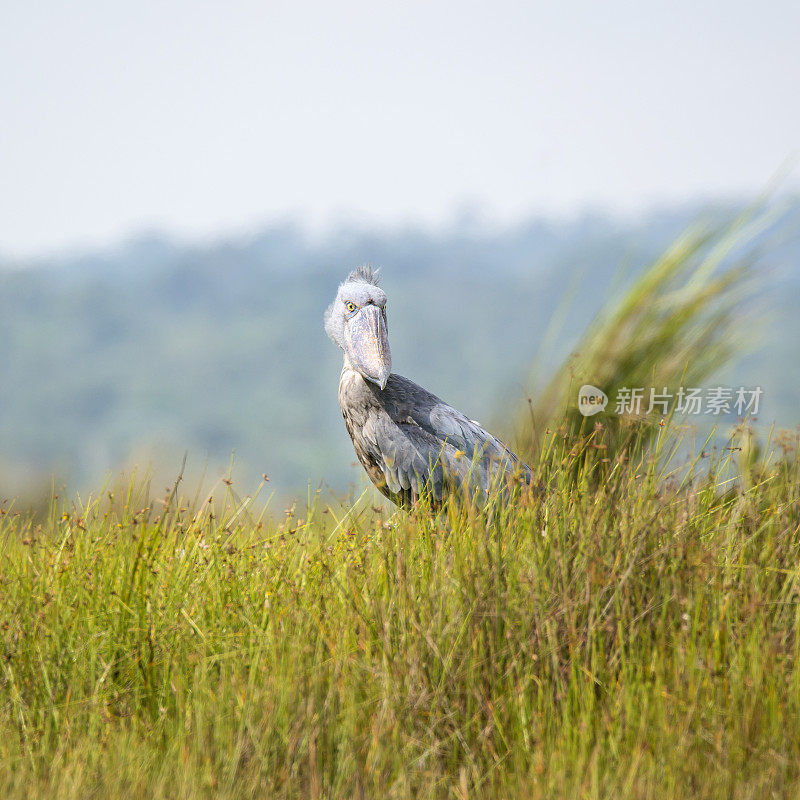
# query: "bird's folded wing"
{"type": "Point", "coordinates": [433, 447]}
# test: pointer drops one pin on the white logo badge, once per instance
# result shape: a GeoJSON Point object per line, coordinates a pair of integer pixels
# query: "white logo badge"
{"type": "Point", "coordinates": [591, 400]}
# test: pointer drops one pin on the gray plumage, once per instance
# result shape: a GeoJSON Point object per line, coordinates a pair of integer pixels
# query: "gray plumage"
{"type": "Point", "coordinates": [411, 443]}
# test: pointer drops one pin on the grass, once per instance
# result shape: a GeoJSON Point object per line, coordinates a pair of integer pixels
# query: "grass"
{"type": "Point", "coordinates": [631, 631]}
{"type": "Point", "coordinates": [630, 637]}
{"type": "Point", "coordinates": [679, 323]}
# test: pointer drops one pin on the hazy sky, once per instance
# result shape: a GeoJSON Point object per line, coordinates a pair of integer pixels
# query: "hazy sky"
{"type": "Point", "coordinates": [202, 118]}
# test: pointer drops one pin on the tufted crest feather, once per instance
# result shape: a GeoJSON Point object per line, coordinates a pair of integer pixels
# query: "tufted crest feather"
{"type": "Point", "coordinates": [364, 274]}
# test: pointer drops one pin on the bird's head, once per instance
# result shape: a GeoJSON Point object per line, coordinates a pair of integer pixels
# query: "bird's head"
{"type": "Point", "coordinates": [356, 321]}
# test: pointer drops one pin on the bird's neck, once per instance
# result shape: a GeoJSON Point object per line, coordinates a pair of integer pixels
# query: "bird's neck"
{"type": "Point", "coordinates": [349, 375]}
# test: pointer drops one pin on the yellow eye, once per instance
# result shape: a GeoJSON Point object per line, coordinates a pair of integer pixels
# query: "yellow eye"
{"type": "Point", "coordinates": [350, 306]}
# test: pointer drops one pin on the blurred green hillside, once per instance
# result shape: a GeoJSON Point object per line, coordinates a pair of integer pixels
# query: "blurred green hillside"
{"type": "Point", "coordinates": [137, 354]}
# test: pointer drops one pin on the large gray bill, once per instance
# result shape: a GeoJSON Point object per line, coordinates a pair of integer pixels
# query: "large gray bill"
{"type": "Point", "coordinates": [367, 340]}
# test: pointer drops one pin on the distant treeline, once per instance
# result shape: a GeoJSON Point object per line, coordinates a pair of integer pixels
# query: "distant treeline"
{"type": "Point", "coordinates": [142, 352]}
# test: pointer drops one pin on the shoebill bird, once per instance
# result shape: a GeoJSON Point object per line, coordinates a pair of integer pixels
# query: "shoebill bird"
{"type": "Point", "coordinates": [412, 444]}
